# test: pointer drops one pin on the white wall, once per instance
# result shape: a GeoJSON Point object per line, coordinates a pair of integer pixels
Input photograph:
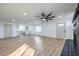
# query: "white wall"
{"type": "Point", "coordinates": [46, 29]}
{"type": "Point", "coordinates": [14, 30]}
{"type": "Point", "coordinates": [1, 30]}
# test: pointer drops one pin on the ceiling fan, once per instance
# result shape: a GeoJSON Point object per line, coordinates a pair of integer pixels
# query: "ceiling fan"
{"type": "Point", "coordinates": [46, 17]}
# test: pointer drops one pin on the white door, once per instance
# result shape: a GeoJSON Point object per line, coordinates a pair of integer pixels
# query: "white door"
{"type": "Point", "coordinates": [7, 30]}
{"type": "Point", "coordinates": [61, 30]}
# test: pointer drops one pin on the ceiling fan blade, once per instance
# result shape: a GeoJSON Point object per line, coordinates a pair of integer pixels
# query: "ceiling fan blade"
{"type": "Point", "coordinates": [38, 16]}
{"type": "Point", "coordinates": [43, 14]}
{"type": "Point", "coordinates": [51, 17]}
{"type": "Point", "coordinates": [49, 14]}
{"type": "Point", "coordinates": [46, 20]}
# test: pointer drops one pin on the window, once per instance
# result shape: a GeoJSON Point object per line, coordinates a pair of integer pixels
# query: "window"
{"type": "Point", "coordinates": [30, 28]}
{"type": "Point", "coordinates": [21, 28]}
{"type": "Point", "coordinates": [38, 28]}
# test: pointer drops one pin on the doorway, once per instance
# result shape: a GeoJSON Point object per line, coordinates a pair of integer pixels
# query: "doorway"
{"type": "Point", "coordinates": [61, 30]}
{"type": "Point", "coordinates": [7, 30]}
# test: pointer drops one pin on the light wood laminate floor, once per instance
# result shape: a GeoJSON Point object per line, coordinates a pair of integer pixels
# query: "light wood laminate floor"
{"type": "Point", "coordinates": [31, 45]}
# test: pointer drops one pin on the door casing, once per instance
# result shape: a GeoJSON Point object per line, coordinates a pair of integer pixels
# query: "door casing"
{"type": "Point", "coordinates": [61, 30]}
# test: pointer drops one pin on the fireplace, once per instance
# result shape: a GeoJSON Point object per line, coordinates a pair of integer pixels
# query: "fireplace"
{"type": "Point", "coordinates": [76, 32]}
{"type": "Point", "coordinates": [76, 27]}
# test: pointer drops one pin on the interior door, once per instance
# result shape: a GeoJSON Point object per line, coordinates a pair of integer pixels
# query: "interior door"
{"type": "Point", "coordinates": [7, 30]}
{"type": "Point", "coordinates": [61, 30]}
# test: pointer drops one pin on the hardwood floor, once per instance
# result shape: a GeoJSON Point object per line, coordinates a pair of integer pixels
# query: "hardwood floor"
{"type": "Point", "coordinates": [31, 45]}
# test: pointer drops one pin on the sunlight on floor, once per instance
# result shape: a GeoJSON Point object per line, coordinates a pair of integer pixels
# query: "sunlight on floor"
{"type": "Point", "coordinates": [39, 43]}
{"type": "Point", "coordinates": [29, 52]}
{"type": "Point", "coordinates": [25, 50]}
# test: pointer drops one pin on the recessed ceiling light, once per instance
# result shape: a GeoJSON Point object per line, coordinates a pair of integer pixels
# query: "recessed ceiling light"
{"type": "Point", "coordinates": [60, 24]}
{"type": "Point", "coordinates": [24, 13]}
{"type": "Point", "coordinates": [59, 16]}
{"type": "Point", "coordinates": [13, 20]}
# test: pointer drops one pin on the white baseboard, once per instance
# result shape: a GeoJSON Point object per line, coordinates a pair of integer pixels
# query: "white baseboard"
{"type": "Point", "coordinates": [8, 37]}
{"type": "Point", "coordinates": [45, 35]}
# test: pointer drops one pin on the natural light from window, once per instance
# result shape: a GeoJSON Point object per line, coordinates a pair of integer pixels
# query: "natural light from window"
{"type": "Point", "coordinates": [21, 28]}
{"type": "Point", "coordinates": [38, 28]}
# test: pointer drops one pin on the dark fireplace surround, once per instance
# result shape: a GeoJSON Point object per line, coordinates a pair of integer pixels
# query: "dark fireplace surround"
{"type": "Point", "coordinates": [76, 27]}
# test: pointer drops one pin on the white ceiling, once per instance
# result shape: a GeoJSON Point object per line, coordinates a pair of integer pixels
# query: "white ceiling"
{"type": "Point", "coordinates": [15, 10]}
